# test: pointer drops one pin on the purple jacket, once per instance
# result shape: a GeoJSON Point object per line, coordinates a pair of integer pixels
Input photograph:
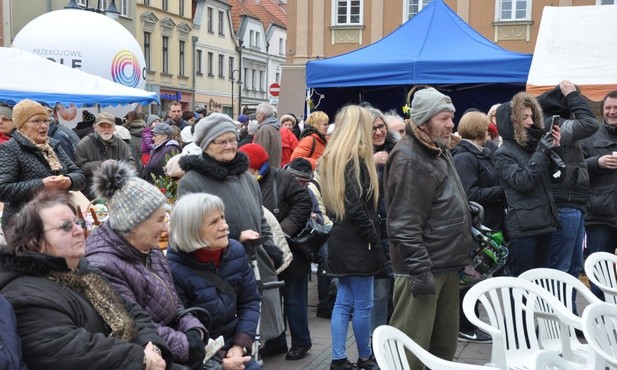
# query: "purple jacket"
{"type": "Point", "coordinates": [144, 279]}
{"type": "Point", "coordinates": [147, 144]}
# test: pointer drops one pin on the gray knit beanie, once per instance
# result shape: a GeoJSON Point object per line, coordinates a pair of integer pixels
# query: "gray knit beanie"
{"type": "Point", "coordinates": [211, 127]}
{"type": "Point", "coordinates": [130, 200]}
{"type": "Point", "coordinates": [428, 103]}
{"type": "Point", "coordinates": [6, 111]}
{"type": "Point", "coordinates": [151, 118]}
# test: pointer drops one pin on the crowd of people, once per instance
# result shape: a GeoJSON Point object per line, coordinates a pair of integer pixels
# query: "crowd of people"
{"type": "Point", "coordinates": [398, 197]}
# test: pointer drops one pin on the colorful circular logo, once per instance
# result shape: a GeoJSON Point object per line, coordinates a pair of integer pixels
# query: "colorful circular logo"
{"type": "Point", "coordinates": [125, 68]}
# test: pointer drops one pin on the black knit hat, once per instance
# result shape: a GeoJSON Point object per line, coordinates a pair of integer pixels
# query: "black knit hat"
{"type": "Point", "coordinates": [301, 169]}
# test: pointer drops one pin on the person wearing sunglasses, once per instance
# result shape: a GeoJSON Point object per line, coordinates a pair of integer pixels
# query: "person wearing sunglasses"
{"type": "Point", "coordinates": [32, 161]}
{"type": "Point", "coordinates": [68, 315]}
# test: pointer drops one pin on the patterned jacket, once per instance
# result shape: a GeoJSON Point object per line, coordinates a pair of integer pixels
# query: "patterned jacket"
{"type": "Point", "coordinates": [22, 169]}
{"type": "Point", "coordinates": [144, 279]}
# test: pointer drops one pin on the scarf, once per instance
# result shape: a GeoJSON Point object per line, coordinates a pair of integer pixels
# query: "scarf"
{"type": "Point", "coordinates": [204, 255]}
{"type": "Point", "coordinates": [105, 300]}
{"type": "Point", "coordinates": [534, 135]}
{"type": "Point", "coordinates": [48, 153]}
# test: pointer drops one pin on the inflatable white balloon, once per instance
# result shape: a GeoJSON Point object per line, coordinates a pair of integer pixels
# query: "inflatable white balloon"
{"type": "Point", "coordinates": [87, 41]}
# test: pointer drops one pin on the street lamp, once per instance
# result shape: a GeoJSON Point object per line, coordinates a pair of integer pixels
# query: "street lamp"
{"type": "Point", "coordinates": [111, 11]}
{"type": "Point", "coordinates": [233, 79]}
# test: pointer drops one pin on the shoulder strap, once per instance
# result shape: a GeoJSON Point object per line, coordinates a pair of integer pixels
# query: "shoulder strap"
{"type": "Point", "coordinates": [312, 147]}
{"type": "Point", "coordinates": [219, 283]}
{"type": "Point", "coordinates": [275, 194]}
{"type": "Point", "coordinates": [312, 181]}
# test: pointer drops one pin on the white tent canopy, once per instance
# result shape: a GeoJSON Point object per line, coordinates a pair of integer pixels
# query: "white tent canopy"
{"type": "Point", "coordinates": [576, 43]}
{"type": "Point", "coordinates": [24, 75]}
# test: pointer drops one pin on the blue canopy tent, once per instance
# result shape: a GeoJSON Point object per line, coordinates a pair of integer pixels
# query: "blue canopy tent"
{"type": "Point", "coordinates": [436, 47]}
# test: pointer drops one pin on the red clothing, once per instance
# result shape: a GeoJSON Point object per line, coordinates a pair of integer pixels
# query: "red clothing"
{"type": "Point", "coordinates": [204, 255]}
{"type": "Point", "coordinates": [289, 142]}
{"type": "Point", "coordinates": [4, 138]}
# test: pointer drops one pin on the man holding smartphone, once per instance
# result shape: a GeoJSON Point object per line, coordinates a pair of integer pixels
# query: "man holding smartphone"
{"type": "Point", "coordinates": [565, 107]}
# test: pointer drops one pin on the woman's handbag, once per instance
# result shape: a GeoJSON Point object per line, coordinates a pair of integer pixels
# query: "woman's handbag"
{"type": "Point", "coordinates": [310, 239]}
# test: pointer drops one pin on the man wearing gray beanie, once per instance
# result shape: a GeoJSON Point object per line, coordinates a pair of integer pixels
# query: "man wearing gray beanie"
{"type": "Point", "coordinates": [429, 227]}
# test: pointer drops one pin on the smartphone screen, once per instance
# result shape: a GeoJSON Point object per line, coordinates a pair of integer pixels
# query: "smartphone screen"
{"type": "Point", "coordinates": [555, 121]}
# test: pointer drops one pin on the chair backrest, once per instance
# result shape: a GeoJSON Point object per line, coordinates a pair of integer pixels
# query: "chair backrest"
{"type": "Point", "coordinates": [512, 305]}
{"type": "Point", "coordinates": [550, 360]}
{"type": "Point", "coordinates": [389, 345]}
{"type": "Point", "coordinates": [600, 330]}
{"type": "Point", "coordinates": [562, 286]}
{"type": "Point", "coordinates": [600, 269]}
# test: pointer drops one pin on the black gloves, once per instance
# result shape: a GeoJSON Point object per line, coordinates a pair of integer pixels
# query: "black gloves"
{"type": "Point", "coordinates": [422, 284]}
{"type": "Point", "coordinates": [197, 349]}
{"type": "Point", "coordinates": [546, 144]}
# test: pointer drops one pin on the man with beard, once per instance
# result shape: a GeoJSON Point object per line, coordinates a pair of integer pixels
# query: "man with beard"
{"type": "Point", "coordinates": [429, 227]}
{"type": "Point", "coordinates": [175, 116]}
{"type": "Point", "coordinates": [100, 146]}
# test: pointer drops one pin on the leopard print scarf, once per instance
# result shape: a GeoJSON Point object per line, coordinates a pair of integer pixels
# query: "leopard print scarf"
{"type": "Point", "coordinates": [105, 300]}
{"type": "Point", "coordinates": [48, 152]}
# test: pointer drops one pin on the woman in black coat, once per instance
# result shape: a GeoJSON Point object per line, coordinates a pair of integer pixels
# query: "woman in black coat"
{"type": "Point", "coordinates": [69, 316]}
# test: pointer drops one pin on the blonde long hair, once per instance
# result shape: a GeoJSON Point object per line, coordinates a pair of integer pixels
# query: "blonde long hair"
{"type": "Point", "coordinates": [350, 142]}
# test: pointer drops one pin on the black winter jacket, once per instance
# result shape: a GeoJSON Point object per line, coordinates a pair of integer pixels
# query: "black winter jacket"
{"type": "Point", "coordinates": [573, 191]}
{"type": "Point", "coordinates": [479, 178]}
{"type": "Point", "coordinates": [354, 241]}
{"type": "Point", "coordinates": [22, 169]}
{"type": "Point", "coordinates": [602, 205]}
{"type": "Point", "coordinates": [294, 209]}
{"type": "Point", "coordinates": [429, 224]}
{"type": "Point", "coordinates": [59, 327]}
{"type": "Point", "coordinates": [524, 175]}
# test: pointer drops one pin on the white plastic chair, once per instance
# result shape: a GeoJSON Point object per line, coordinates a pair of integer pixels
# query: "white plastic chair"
{"type": "Point", "coordinates": [511, 305]}
{"type": "Point", "coordinates": [600, 269]}
{"type": "Point", "coordinates": [600, 330]}
{"type": "Point", "coordinates": [561, 285]}
{"type": "Point", "coordinates": [389, 346]}
{"type": "Point", "coordinates": [550, 360]}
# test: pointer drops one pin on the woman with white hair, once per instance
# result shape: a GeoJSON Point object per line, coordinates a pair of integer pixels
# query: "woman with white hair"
{"type": "Point", "coordinates": [202, 254]}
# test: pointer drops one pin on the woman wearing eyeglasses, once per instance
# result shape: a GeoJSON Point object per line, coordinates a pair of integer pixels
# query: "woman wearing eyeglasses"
{"type": "Point", "coordinates": [223, 171]}
{"type": "Point", "coordinates": [31, 161]}
{"type": "Point", "coordinates": [68, 316]}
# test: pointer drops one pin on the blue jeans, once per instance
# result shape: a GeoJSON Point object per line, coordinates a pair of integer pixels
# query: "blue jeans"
{"type": "Point", "coordinates": [600, 238]}
{"type": "Point", "coordinates": [382, 289]}
{"type": "Point", "coordinates": [354, 293]}
{"type": "Point", "coordinates": [529, 252]}
{"type": "Point", "coordinates": [566, 251]}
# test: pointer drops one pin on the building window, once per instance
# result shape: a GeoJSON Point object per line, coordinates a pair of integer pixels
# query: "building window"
{"type": "Point", "coordinates": [181, 8]}
{"type": "Point", "coordinates": [81, 2]}
{"type": "Point", "coordinates": [165, 54]}
{"type": "Point", "coordinates": [251, 38]}
{"type": "Point", "coordinates": [348, 12]}
{"type": "Point", "coordinates": [514, 10]}
{"type": "Point", "coordinates": [258, 39]}
{"type": "Point", "coordinates": [281, 46]}
{"type": "Point", "coordinates": [210, 64]}
{"type": "Point", "coordinates": [246, 79]}
{"type": "Point", "coordinates": [606, 2]}
{"type": "Point", "coordinates": [221, 23]}
{"type": "Point", "coordinates": [277, 77]}
{"type": "Point", "coordinates": [210, 20]}
{"type": "Point", "coordinates": [232, 66]}
{"type": "Point", "coordinates": [199, 61]}
{"type": "Point", "coordinates": [415, 6]}
{"type": "Point", "coordinates": [146, 2]}
{"type": "Point", "coordinates": [181, 58]}
{"type": "Point", "coordinates": [261, 81]}
{"type": "Point", "coordinates": [165, 5]}
{"type": "Point", "coordinates": [221, 66]}
{"type": "Point", "coordinates": [147, 50]}
{"type": "Point", "coordinates": [122, 5]}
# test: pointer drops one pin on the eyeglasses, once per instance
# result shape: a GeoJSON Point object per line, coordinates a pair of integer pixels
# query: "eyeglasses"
{"type": "Point", "coordinates": [66, 226]}
{"type": "Point", "coordinates": [223, 143]}
{"type": "Point", "coordinates": [380, 127]}
{"type": "Point", "coordinates": [39, 121]}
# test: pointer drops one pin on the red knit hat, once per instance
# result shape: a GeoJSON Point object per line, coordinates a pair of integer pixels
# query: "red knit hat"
{"type": "Point", "coordinates": [257, 155]}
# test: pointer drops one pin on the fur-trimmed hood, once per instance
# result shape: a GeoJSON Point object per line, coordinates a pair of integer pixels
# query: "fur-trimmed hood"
{"type": "Point", "coordinates": [510, 118]}
{"type": "Point", "coordinates": [212, 168]}
{"type": "Point", "coordinates": [29, 264]}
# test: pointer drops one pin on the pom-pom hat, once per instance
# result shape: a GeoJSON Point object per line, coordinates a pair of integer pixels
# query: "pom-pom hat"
{"type": "Point", "coordinates": [130, 199]}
